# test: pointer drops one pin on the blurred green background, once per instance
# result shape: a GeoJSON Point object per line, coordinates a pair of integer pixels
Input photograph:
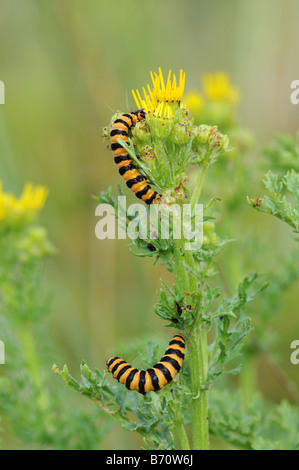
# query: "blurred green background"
{"type": "Point", "coordinates": [68, 66]}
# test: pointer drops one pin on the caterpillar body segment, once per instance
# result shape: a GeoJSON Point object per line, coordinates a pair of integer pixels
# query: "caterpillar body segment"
{"type": "Point", "coordinates": [157, 376]}
{"type": "Point", "coordinates": [133, 178]}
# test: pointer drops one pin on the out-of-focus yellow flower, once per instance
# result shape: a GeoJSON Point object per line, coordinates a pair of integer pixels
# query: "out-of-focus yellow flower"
{"type": "Point", "coordinates": [161, 99]}
{"type": "Point", "coordinates": [218, 87]}
{"type": "Point", "coordinates": [33, 197]}
{"type": "Point", "coordinates": [216, 103]}
{"type": "Point", "coordinates": [23, 208]}
{"type": "Point", "coordinates": [2, 207]}
{"type": "Point", "coordinates": [194, 101]}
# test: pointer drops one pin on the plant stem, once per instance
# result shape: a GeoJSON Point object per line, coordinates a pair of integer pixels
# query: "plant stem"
{"type": "Point", "coordinates": [180, 428]}
{"type": "Point", "coordinates": [197, 344]}
{"type": "Point", "coordinates": [183, 258]}
{"type": "Point", "coordinates": [197, 349]}
{"type": "Point", "coordinates": [31, 358]}
{"type": "Point", "coordinates": [198, 186]}
{"type": "Point", "coordinates": [180, 273]}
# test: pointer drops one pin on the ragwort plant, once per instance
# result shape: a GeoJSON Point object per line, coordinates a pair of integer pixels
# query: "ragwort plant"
{"type": "Point", "coordinates": [35, 413]}
{"type": "Point", "coordinates": [175, 145]}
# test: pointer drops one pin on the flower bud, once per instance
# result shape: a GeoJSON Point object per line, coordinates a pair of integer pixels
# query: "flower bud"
{"type": "Point", "coordinates": [142, 133]}
{"type": "Point", "coordinates": [208, 142]}
{"type": "Point", "coordinates": [202, 135]}
{"type": "Point", "coordinates": [181, 133]}
{"type": "Point", "coordinates": [106, 136]}
{"type": "Point", "coordinates": [161, 127]}
{"type": "Point", "coordinates": [147, 154]}
{"type": "Point", "coordinates": [209, 235]}
{"type": "Point", "coordinates": [34, 245]}
{"type": "Point", "coordinates": [221, 141]}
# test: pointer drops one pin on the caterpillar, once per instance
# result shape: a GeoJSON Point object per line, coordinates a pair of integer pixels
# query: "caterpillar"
{"type": "Point", "coordinates": [134, 180]}
{"type": "Point", "coordinates": [154, 378]}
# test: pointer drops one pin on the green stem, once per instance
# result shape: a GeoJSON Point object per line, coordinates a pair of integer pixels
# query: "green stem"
{"type": "Point", "coordinates": [183, 258]}
{"type": "Point", "coordinates": [197, 353]}
{"type": "Point", "coordinates": [198, 186]}
{"type": "Point", "coordinates": [161, 165]}
{"type": "Point", "coordinates": [180, 428]}
{"type": "Point", "coordinates": [179, 256]}
{"type": "Point", "coordinates": [197, 349]}
{"type": "Point", "coordinates": [33, 364]}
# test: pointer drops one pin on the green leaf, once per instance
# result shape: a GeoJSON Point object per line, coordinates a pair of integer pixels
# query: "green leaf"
{"type": "Point", "coordinates": [276, 203]}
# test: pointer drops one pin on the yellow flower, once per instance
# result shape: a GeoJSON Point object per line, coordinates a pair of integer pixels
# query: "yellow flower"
{"type": "Point", "coordinates": [161, 99]}
{"type": "Point", "coordinates": [33, 198]}
{"type": "Point", "coordinates": [194, 101]}
{"type": "Point", "coordinates": [2, 207]}
{"type": "Point", "coordinates": [218, 87]}
{"type": "Point", "coordinates": [30, 202]}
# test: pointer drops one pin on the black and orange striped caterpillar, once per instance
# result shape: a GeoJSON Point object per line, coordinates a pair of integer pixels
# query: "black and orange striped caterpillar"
{"type": "Point", "coordinates": [133, 178]}
{"type": "Point", "coordinates": [154, 378]}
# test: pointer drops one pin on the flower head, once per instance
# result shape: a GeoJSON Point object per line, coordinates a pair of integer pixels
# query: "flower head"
{"type": "Point", "coordinates": [24, 208]}
{"type": "Point", "coordinates": [194, 101]}
{"type": "Point", "coordinates": [218, 87]}
{"type": "Point", "coordinates": [161, 99]}
{"type": "Point", "coordinates": [2, 206]}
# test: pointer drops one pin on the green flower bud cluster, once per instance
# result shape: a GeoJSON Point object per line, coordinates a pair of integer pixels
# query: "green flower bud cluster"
{"type": "Point", "coordinates": [163, 144]}
{"type": "Point", "coordinates": [34, 245]}
{"type": "Point", "coordinates": [182, 130]}
{"type": "Point", "coordinates": [142, 133]}
{"type": "Point", "coordinates": [166, 142]}
{"type": "Point", "coordinates": [208, 143]}
{"type": "Point", "coordinates": [142, 137]}
{"type": "Point", "coordinates": [161, 127]}
{"type": "Point", "coordinates": [210, 238]}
